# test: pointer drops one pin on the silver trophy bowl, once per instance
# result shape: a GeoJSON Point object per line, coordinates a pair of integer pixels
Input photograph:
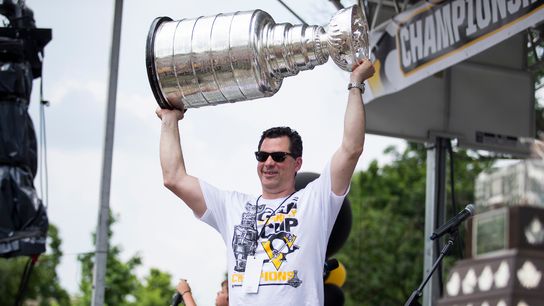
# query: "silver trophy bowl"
{"type": "Point", "coordinates": [243, 55]}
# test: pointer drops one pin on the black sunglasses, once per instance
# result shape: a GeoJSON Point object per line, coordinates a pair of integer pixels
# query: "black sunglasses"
{"type": "Point", "coordinates": [276, 156]}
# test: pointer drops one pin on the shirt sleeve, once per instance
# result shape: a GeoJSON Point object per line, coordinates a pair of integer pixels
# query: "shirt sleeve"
{"type": "Point", "coordinates": [215, 205]}
{"type": "Point", "coordinates": [329, 201]}
{"type": "Point", "coordinates": [222, 207]}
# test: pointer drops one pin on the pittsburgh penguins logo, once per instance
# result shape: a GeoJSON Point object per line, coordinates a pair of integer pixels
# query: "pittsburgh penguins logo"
{"type": "Point", "coordinates": [278, 246]}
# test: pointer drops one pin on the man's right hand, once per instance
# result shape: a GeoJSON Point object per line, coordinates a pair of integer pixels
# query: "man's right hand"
{"type": "Point", "coordinates": [176, 114]}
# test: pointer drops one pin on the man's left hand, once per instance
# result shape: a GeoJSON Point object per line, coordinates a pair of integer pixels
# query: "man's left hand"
{"type": "Point", "coordinates": [362, 71]}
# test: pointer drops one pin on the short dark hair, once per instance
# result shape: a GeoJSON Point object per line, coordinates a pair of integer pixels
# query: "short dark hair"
{"type": "Point", "coordinates": [295, 142]}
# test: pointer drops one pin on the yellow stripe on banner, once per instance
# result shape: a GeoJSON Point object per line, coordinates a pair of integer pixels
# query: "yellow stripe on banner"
{"type": "Point", "coordinates": [418, 11]}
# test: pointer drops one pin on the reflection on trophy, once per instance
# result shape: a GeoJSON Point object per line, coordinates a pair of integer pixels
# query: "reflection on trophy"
{"type": "Point", "coordinates": [244, 55]}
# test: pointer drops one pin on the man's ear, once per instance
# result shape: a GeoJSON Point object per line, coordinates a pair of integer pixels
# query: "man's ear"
{"type": "Point", "coordinates": [298, 163]}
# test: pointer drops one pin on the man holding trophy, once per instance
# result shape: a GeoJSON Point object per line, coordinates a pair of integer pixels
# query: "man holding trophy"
{"type": "Point", "coordinates": [276, 241]}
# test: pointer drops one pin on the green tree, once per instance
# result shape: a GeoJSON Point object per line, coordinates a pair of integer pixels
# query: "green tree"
{"type": "Point", "coordinates": [121, 282]}
{"type": "Point", "coordinates": [157, 290]}
{"type": "Point", "coordinates": [43, 286]}
{"type": "Point", "coordinates": [384, 253]}
{"type": "Point", "coordinates": [539, 120]}
{"type": "Point", "coordinates": [123, 288]}
{"type": "Point", "coordinates": [535, 58]}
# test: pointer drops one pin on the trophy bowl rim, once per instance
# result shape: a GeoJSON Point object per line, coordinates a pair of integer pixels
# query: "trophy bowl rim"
{"type": "Point", "coordinates": [354, 12]}
{"type": "Point", "coordinates": [150, 62]}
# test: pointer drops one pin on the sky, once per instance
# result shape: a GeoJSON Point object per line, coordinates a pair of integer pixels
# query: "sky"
{"type": "Point", "coordinates": [218, 142]}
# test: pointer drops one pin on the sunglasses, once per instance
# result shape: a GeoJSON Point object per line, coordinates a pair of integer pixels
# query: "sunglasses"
{"type": "Point", "coordinates": [276, 156]}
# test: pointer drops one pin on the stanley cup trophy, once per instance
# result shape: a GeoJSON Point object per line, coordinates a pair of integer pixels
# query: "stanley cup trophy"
{"type": "Point", "coordinates": [244, 55]}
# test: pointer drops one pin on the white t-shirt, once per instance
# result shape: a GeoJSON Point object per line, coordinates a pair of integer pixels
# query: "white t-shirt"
{"type": "Point", "coordinates": [292, 244]}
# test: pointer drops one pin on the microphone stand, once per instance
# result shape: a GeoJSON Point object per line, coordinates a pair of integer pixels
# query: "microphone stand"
{"type": "Point", "coordinates": [412, 300]}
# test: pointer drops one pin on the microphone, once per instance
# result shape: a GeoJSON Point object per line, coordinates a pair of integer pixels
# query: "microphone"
{"type": "Point", "coordinates": [454, 222]}
{"type": "Point", "coordinates": [176, 299]}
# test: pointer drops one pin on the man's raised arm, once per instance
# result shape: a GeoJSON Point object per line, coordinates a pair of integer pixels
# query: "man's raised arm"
{"type": "Point", "coordinates": [174, 175]}
{"type": "Point", "coordinates": [345, 158]}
